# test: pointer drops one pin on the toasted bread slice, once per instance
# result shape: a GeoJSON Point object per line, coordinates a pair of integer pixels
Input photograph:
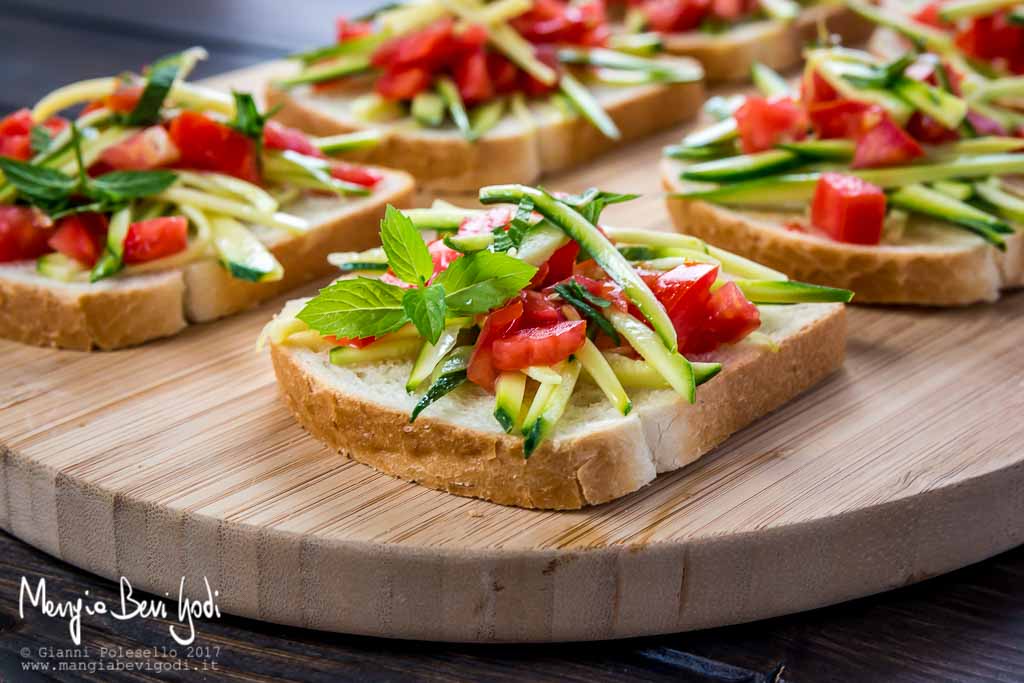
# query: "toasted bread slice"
{"type": "Point", "coordinates": [132, 309]}
{"type": "Point", "coordinates": [515, 151]}
{"type": "Point", "coordinates": [930, 264]}
{"type": "Point", "coordinates": [729, 56]}
{"type": "Point", "coordinates": [595, 454]}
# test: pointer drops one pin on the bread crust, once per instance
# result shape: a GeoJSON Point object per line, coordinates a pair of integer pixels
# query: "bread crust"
{"type": "Point", "coordinates": [776, 44]}
{"type": "Point", "coordinates": [128, 311]}
{"type": "Point", "coordinates": [887, 274]}
{"type": "Point", "coordinates": [611, 459]}
{"type": "Point", "coordinates": [445, 161]}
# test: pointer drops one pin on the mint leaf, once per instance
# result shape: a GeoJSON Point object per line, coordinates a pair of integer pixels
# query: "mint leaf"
{"type": "Point", "coordinates": [580, 298]}
{"type": "Point", "coordinates": [407, 252]}
{"type": "Point", "coordinates": [40, 139]}
{"type": "Point", "coordinates": [159, 81]}
{"type": "Point", "coordinates": [593, 209]}
{"type": "Point", "coordinates": [426, 309]}
{"type": "Point", "coordinates": [478, 282]}
{"type": "Point", "coordinates": [361, 307]}
{"type": "Point", "coordinates": [120, 186]}
{"type": "Point", "coordinates": [36, 184]}
{"type": "Point", "coordinates": [521, 223]}
{"type": "Point", "coordinates": [248, 120]}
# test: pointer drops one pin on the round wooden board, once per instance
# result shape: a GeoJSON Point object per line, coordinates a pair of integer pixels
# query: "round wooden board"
{"type": "Point", "coordinates": [179, 460]}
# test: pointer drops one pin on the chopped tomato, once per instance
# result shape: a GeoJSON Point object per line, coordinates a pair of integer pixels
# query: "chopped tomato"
{"type": "Point", "coordinates": [354, 342]}
{"type": "Point", "coordinates": [389, 278]}
{"type": "Point", "coordinates": [122, 100]}
{"type": "Point", "coordinates": [499, 323]}
{"type": "Point", "coordinates": [473, 79]}
{"type": "Point", "coordinates": [539, 311]}
{"type": "Point", "coordinates": [929, 131]}
{"type": "Point", "coordinates": [16, 135]}
{"type": "Point", "coordinates": [353, 173]}
{"type": "Point", "coordinates": [732, 316]}
{"type": "Point", "coordinates": [764, 123]}
{"type": "Point", "coordinates": [558, 22]}
{"type": "Point", "coordinates": [155, 238]}
{"type": "Point", "coordinates": [885, 144]}
{"type": "Point", "coordinates": [16, 147]}
{"type": "Point", "coordinates": [842, 118]}
{"type": "Point", "coordinates": [16, 123]}
{"type": "Point", "coordinates": [80, 236]}
{"type": "Point", "coordinates": [427, 48]}
{"type": "Point", "coordinates": [486, 222]}
{"type": "Point", "coordinates": [442, 255]}
{"type": "Point", "coordinates": [730, 10]}
{"type": "Point", "coordinates": [546, 54]}
{"type": "Point", "coordinates": [209, 145]}
{"type": "Point", "coordinates": [814, 89]}
{"type": "Point", "coordinates": [929, 15]}
{"type": "Point", "coordinates": [670, 16]}
{"type": "Point", "coordinates": [540, 276]}
{"type": "Point", "coordinates": [405, 84]}
{"type": "Point", "coordinates": [848, 209]}
{"type": "Point", "coordinates": [994, 37]}
{"type": "Point", "coordinates": [346, 29]}
{"type": "Point", "coordinates": [561, 263]}
{"type": "Point", "coordinates": [279, 136]}
{"type": "Point", "coordinates": [147, 149]}
{"type": "Point", "coordinates": [503, 73]}
{"type": "Point", "coordinates": [539, 345]}
{"type": "Point", "coordinates": [24, 233]}
{"type": "Point", "coordinates": [685, 286]}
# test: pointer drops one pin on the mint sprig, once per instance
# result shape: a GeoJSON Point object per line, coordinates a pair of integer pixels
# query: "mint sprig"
{"type": "Point", "coordinates": [426, 308]}
{"type": "Point", "coordinates": [357, 308]}
{"type": "Point", "coordinates": [478, 282]}
{"type": "Point", "coordinates": [159, 81]}
{"type": "Point", "coordinates": [407, 253]}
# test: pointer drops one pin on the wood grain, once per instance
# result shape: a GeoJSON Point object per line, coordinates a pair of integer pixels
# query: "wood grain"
{"type": "Point", "coordinates": [178, 459]}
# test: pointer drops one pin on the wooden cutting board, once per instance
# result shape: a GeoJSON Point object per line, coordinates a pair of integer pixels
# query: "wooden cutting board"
{"type": "Point", "coordinates": [178, 460]}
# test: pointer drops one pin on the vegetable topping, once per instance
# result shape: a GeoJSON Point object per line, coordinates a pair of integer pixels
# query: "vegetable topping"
{"type": "Point", "coordinates": [479, 304]}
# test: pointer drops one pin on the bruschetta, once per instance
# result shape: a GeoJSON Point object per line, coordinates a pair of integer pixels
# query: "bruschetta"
{"type": "Point", "coordinates": [165, 203]}
{"type": "Point", "coordinates": [468, 93]}
{"type": "Point", "coordinates": [892, 177]}
{"type": "Point", "coordinates": [527, 356]}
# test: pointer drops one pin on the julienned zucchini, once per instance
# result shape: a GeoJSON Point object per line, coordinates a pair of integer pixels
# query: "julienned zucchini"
{"type": "Point", "coordinates": [431, 354]}
{"type": "Point", "coordinates": [604, 376]}
{"type": "Point", "coordinates": [673, 366]}
{"type": "Point", "coordinates": [823, 150]}
{"type": "Point", "coordinates": [923, 200]}
{"type": "Point", "coordinates": [111, 261]}
{"type": "Point", "coordinates": [448, 376]}
{"type": "Point", "coordinates": [428, 109]}
{"type": "Point", "coordinates": [509, 390]}
{"type": "Point", "coordinates": [1009, 205]}
{"type": "Point", "coordinates": [789, 292]}
{"type": "Point", "coordinates": [467, 244]}
{"type": "Point", "coordinates": [241, 253]}
{"type": "Point", "coordinates": [539, 429]}
{"type": "Point", "coordinates": [743, 166]}
{"type": "Point", "coordinates": [597, 245]}
{"type": "Point", "coordinates": [443, 220]}
{"type": "Point", "coordinates": [540, 243]}
{"type": "Point", "coordinates": [384, 349]}
{"type": "Point", "coordinates": [638, 374]}
{"type": "Point", "coordinates": [57, 266]}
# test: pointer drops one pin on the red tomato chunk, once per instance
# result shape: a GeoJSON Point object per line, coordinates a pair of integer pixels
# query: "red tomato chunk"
{"type": "Point", "coordinates": [764, 123]}
{"type": "Point", "coordinates": [80, 237]}
{"type": "Point", "coordinates": [24, 233]}
{"type": "Point", "coordinates": [848, 209]}
{"type": "Point", "coordinates": [155, 238]}
{"type": "Point", "coordinates": [539, 345]}
{"type": "Point", "coordinates": [209, 145]}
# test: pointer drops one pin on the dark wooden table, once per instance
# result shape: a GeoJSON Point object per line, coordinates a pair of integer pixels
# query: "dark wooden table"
{"type": "Point", "coordinates": [967, 626]}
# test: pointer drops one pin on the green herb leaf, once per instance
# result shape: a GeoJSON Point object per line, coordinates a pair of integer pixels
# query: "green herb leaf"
{"type": "Point", "coordinates": [478, 282]}
{"type": "Point", "coordinates": [361, 307]}
{"type": "Point", "coordinates": [426, 309]}
{"type": "Point", "coordinates": [522, 221]}
{"type": "Point", "coordinates": [444, 385]}
{"type": "Point", "coordinates": [407, 252]}
{"type": "Point", "coordinates": [248, 120]}
{"type": "Point", "coordinates": [36, 184]}
{"type": "Point", "coordinates": [121, 186]}
{"type": "Point", "coordinates": [583, 301]}
{"type": "Point", "coordinates": [158, 84]}
{"type": "Point", "coordinates": [593, 209]}
{"type": "Point", "coordinates": [40, 139]}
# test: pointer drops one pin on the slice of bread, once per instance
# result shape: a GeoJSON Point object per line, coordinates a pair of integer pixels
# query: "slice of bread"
{"type": "Point", "coordinates": [515, 151]}
{"type": "Point", "coordinates": [595, 454]}
{"type": "Point", "coordinates": [729, 56]}
{"type": "Point", "coordinates": [931, 264]}
{"type": "Point", "coordinates": [132, 309]}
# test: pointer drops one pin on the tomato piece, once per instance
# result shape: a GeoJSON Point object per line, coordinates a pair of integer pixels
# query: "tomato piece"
{"type": "Point", "coordinates": [403, 84]}
{"type": "Point", "coordinates": [929, 131]}
{"type": "Point", "coordinates": [16, 123]}
{"type": "Point", "coordinates": [503, 73]}
{"type": "Point", "coordinates": [929, 15]}
{"type": "Point", "coordinates": [346, 29]}
{"type": "Point", "coordinates": [556, 22]}
{"type": "Point", "coordinates": [486, 222]}
{"type": "Point", "coordinates": [686, 286]}
{"type": "Point", "coordinates": [155, 238]}
{"type": "Point", "coordinates": [15, 135]}
{"type": "Point", "coordinates": [124, 99]}
{"type": "Point", "coordinates": [427, 48]}
{"type": "Point", "coordinates": [24, 233]}
{"type": "Point", "coordinates": [539, 345]}
{"type": "Point", "coordinates": [994, 37]}
{"type": "Point", "coordinates": [16, 147]}
{"type": "Point", "coordinates": [546, 54]}
{"type": "Point", "coordinates": [353, 173]}
{"type": "Point", "coordinates": [848, 209]}
{"type": "Point", "coordinates": [539, 311]}
{"type": "Point", "coordinates": [764, 123]}
{"type": "Point", "coordinates": [841, 118]}
{"type": "Point", "coordinates": [729, 10]}
{"type": "Point", "coordinates": [80, 236]}
{"type": "Point", "coordinates": [280, 136]}
{"type": "Point", "coordinates": [540, 276]}
{"type": "Point", "coordinates": [473, 79]}
{"type": "Point", "coordinates": [560, 265]}
{"type": "Point", "coordinates": [499, 323]}
{"type": "Point", "coordinates": [814, 89]}
{"type": "Point", "coordinates": [885, 144]}
{"type": "Point", "coordinates": [670, 16]}
{"type": "Point", "coordinates": [148, 149]}
{"type": "Point", "coordinates": [442, 255]}
{"type": "Point", "coordinates": [209, 145]}
{"type": "Point", "coordinates": [354, 342]}
{"type": "Point", "coordinates": [732, 316]}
